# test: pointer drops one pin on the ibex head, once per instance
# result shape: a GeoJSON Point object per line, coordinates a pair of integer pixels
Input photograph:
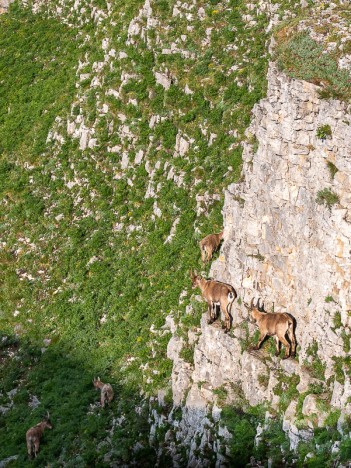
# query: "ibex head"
{"type": "Point", "coordinates": [97, 382]}
{"type": "Point", "coordinates": [46, 421]}
{"type": "Point", "coordinates": [255, 310]}
{"type": "Point", "coordinates": [194, 278]}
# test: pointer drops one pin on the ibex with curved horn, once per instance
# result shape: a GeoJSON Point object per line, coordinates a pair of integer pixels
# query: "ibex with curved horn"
{"type": "Point", "coordinates": [106, 391]}
{"type": "Point", "coordinates": [210, 244]}
{"type": "Point", "coordinates": [274, 324]}
{"type": "Point", "coordinates": [34, 434]}
{"type": "Point", "coordinates": [215, 292]}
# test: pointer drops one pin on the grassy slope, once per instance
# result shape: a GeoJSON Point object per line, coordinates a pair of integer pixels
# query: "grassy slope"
{"type": "Point", "coordinates": [50, 232]}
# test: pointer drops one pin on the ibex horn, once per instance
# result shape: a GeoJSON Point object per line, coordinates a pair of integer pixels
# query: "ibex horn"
{"type": "Point", "coordinates": [252, 303]}
{"type": "Point", "coordinates": [260, 308]}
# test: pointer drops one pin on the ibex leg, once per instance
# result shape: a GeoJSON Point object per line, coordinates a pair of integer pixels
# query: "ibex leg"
{"type": "Point", "coordinates": [262, 337]}
{"type": "Point", "coordinates": [292, 340]}
{"type": "Point", "coordinates": [29, 448]}
{"type": "Point", "coordinates": [36, 448]}
{"type": "Point", "coordinates": [287, 346]}
{"type": "Point", "coordinates": [277, 344]}
{"type": "Point", "coordinates": [211, 312]}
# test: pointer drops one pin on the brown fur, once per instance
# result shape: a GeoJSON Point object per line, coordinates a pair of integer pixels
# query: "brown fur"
{"type": "Point", "coordinates": [215, 292]}
{"type": "Point", "coordinates": [106, 391]}
{"type": "Point", "coordinates": [34, 434]}
{"type": "Point", "coordinates": [277, 325]}
{"type": "Point", "coordinates": [210, 244]}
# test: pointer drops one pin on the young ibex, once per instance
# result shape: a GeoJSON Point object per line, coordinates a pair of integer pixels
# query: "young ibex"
{"type": "Point", "coordinates": [210, 244]}
{"type": "Point", "coordinates": [274, 324]}
{"type": "Point", "coordinates": [33, 436]}
{"type": "Point", "coordinates": [215, 292]}
{"type": "Point", "coordinates": [106, 391]}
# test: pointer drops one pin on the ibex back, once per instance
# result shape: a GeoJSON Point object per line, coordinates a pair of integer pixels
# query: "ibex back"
{"type": "Point", "coordinates": [34, 434]}
{"type": "Point", "coordinates": [210, 244]}
{"type": "Point", "coordinates": [215, 292]}
{"type": "Point", "coordinates": [274, 324]}
{"type": "Point", "coordinates": [106, 391]}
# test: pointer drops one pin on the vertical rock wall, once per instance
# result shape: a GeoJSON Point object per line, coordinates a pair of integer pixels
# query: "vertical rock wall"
{"type": "Point", "coordinates": [285, 247]}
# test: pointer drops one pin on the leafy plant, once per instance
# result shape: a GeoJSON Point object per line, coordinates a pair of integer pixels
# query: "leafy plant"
{"type": "Point", "coordinates": [323, 132]}
{"type": "Point", "coordinates": [327, 197]}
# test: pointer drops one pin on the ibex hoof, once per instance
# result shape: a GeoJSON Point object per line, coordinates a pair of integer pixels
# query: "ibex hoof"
{"type": "Point", "coordinates": [255, 348]}
{"type": "Point", "coordinates": [209, 321]}
{"type": "Point", "coordinates": [286, 357]}
{"type": "Point", "coordinates": [293, 354]}
{"type": "Point", "coordinates": [277, 354]}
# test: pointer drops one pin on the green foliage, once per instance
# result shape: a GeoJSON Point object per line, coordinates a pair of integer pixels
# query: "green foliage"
{"type": "Point", "coordinates": [286, 389]}
{"type": "Point", "coordinates": [242, 426]}
{"type": "Point", "coordinates": [323, 132]}
{"type": "Point", "coordinates": [302, 57]}
{"type": "Point", "coordinates": [332, 169]}
{"type": "Point", "coordinates": [87, 263]}
{"type": "Point", "coordinates": [327, 197]}
{"type": "Point", "coordinates": [337, 319]}
{"type": "Point", "coordinates": [314, 365]}
{"type": "Point", "coordinates": [40, 54]}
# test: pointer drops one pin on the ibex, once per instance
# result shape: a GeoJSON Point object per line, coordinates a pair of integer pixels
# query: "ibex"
{"type": "Point", "coordinates": [274, 324]}
{"type": "Point", "coordinates": [33, 436]}
{"type": "Point", "coordinates": [215, 292]}
{"type": "Point", "coordinates": [210, 244]}
{"type": "Point", "coordinates": [106, 391]}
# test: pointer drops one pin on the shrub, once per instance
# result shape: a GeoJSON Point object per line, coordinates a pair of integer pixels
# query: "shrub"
{"type": "Point", "coordinates": [323, 132]}
{"type": "Point", "coordinates": [327, 197]}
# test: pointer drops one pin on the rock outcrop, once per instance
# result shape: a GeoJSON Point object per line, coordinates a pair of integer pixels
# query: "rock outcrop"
{"type": "Point", "coordinates": [4, 5]}
{"type": "Point", "coordinates": [287, 243]}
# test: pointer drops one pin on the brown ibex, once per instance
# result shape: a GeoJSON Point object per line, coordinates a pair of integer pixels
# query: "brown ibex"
{"type": "Point", "coordinates": [274, 324]}
{"type": "Point", "coordinates": [215, 292]}
{"type": "Point", "coordinates": [34, 434]}
{"type": "Point", "coordinates": [210, 244]}
{"type": "Point", "coordinates": [106, 391]}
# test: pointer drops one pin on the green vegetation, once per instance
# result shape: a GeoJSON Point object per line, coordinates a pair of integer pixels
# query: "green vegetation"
{"type": "Point", "coordinates": [302, 57]}
{"type": "Point", "coordinates": [337, 319]}
{"type": "Point", "coordinates": [332, 169]}
{"type": "Point", "coordinates": [314, 364]}
{"type": "Point", "coordinates": [323, 132]}
{"type": "Point", "coordinates": [89, 268]}
{"type": "Point", "coordinates": [327, 197]}
{"type": "Point", "coordinates": [87, 261]}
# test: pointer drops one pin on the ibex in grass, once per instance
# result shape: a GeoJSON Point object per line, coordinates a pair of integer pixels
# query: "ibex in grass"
{"type": "Point", "coordinates": [210, 244]}
{"type": "Point", "coordinates": [33, 436]}
{"type": "Point", "coordinates": [106, 391]}
{"type": "Point", "coordinates": [274, 324]}
{"type": "Point", "coordinates": [215, 292]}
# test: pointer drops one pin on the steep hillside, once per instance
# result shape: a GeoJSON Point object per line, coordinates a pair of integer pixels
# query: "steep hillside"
{"type": "Point", "coordinates": [120, 129]}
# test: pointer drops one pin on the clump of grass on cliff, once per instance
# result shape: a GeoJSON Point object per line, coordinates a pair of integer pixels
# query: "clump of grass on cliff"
{"type": "Point", "coordinates": [300, 56]}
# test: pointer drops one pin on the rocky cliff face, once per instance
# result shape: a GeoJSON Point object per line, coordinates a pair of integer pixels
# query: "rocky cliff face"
{"type": "Point", "coordinates": [4, 5]}
{"type": "Point", "coordinates": [287, 243]}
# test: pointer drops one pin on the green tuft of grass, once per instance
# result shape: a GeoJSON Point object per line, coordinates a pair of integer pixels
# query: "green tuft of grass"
{"type": "Point", "coordinates": [327, 197]}
{"type": "Point", "coordinates": [302, 57]}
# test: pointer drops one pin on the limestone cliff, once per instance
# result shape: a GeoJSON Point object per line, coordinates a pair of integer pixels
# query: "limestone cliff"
{"type": "Point", "coordinates": [285, 244]}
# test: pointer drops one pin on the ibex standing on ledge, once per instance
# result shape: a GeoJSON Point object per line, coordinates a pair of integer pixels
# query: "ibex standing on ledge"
{"type": "Point", "coordinates": [33, 436]}
{"type": "Point", "coordinates": [215, 292]}
{"type": "Point", "coordinates": [106, 391]}
{"type": "Point", "coordinates": [277, 325]}
{"type": "Point", "coordinates": [210, 244]}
